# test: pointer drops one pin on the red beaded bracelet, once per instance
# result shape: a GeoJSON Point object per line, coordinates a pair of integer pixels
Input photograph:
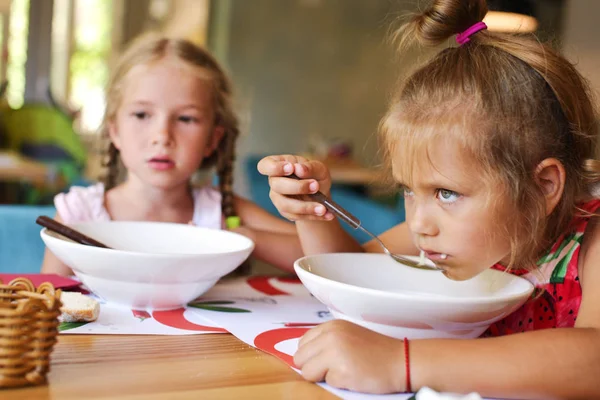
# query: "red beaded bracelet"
{"type": "Point", "coordinates": [407, 366]}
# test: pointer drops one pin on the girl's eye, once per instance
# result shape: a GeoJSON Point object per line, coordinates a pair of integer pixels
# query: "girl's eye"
{"type": "Point", "coordinates": [447, 196]}
{"type": "Point", "coordinates": [141, 115]}
{"type": "Point", "coordinates": [187, 119]}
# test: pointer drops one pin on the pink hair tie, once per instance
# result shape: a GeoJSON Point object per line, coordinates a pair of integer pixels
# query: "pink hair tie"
{"type": "Point", "coordinates": [464, 37]}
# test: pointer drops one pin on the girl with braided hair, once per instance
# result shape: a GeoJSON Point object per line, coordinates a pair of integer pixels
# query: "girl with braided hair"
{"type": "Point", "coordinates": [168, 115]}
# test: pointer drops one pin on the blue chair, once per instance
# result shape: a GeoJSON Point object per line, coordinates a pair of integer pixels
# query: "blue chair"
{"type": "Point", "coordinates": [375, 216]}
{"type": "Point", "coordinates": [21, 248]}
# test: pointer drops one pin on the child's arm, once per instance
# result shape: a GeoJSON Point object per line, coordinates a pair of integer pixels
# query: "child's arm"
{"type": "Point", "coordinates": [276, 241]}
{"type": "Point", "coordinates": [549, 363]}
{"type": "Point", "coordinates": [51, 264]}
{"type": "Point", "coordinates": [320, 232]}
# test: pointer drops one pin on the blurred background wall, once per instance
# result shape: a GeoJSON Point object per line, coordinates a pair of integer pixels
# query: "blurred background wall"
{"type": "Point", "coordinates": [310, 70]}
{"type": "Point", "coordinates": [306, 72]}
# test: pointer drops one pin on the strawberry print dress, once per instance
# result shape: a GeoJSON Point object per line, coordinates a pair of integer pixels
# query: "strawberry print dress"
{"type": "Point", "coordinates": [556, 299]}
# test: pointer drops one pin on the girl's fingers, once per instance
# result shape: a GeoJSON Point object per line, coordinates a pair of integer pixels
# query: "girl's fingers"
{"type": "Point", "coordinates": [311, 169]}
{"type": "Point", "coordinates": [327, 217]}
{"type": "Point", "coordinates": [293, 187]}
{"type": "Point", "coordinates": [289, 194]}
{"type": "Point", "coordinates": [310, 335]}
{"type": "Point", "coordinates": [281, 165]}
{"type": "Point", "coordinates": [294, 217]}
{"type": "Point", "coordinates": [290, 206]}
{"type": "Point", "coordinates": [316, 369]}
{"type": "Point", "coordinates": [309, 356]}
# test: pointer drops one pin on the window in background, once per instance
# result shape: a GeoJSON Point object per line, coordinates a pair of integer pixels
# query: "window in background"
{"type": "Point", "coordinates": [180, 18]}
{"type": "Point", "coordinates": [62, 38]}
{"type": "Point", "coordinates": [17, 51]}
{"type": "Point", "coordinates": [89, 60]}
{"type": "Point", "coordinates": [3, 37]}
{"type": "Point", "coordinates": [4, 25]}
{"type": "Point", "coordinates": [81, 46]}
{"type": "Point", "coordinates": [87, 34]}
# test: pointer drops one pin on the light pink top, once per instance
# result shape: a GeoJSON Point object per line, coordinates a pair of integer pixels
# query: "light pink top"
{"type": "Point", "coordinates": [82, 204]}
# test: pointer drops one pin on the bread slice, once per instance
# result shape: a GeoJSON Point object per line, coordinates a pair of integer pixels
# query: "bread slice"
{"type": "Point", "coordinates": [78, 307]}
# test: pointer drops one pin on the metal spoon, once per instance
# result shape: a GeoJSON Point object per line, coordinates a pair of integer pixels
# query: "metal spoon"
{"type": "Point", "coordinates": [355, 223]}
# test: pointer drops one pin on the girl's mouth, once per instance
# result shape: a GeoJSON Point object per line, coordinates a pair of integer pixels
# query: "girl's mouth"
{"type": "Point", "coordinates": [161, 163]}
{"type": "Point", "coordinates": [435, 257]}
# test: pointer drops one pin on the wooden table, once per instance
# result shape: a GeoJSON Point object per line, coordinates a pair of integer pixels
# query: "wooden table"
{"type": "Point", "coordinates": [215, 366]}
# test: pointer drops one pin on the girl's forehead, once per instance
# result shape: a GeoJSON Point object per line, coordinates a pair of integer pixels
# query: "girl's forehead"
{"type": "Point", "coordinates": [434, 162]}
{"type": "Point", "coordinates": [166, 80]}
{"type": "Point", "coordinates": [164, 69]}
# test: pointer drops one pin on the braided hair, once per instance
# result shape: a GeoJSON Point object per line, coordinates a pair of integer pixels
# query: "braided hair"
{"type": "Point", "coordinates": [151, 48]}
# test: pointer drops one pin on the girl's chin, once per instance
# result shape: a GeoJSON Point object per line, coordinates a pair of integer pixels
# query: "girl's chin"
{"type": "Point", "coordinates": [457, 274]}
{"type": "Point", "coordinates": [166, 184]}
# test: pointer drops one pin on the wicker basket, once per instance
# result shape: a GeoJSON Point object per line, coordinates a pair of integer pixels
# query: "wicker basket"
{"type": "Point", "coordinates": [28, 330]}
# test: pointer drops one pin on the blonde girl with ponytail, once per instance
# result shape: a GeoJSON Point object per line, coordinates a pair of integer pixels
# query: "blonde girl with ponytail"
{"type": "Point", "coordinates": [492, 143]}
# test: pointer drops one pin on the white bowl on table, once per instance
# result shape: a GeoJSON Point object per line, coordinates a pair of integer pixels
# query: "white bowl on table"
{"type": "Point", "coordinates": [378, 293]}
{"type": "Point", "coordinates": [153, 265]}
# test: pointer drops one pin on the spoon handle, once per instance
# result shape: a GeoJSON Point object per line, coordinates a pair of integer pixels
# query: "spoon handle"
{"type": "Point", "coordinates": [336, 209]}
{"type": "Point", "coordinates": [67, 232]}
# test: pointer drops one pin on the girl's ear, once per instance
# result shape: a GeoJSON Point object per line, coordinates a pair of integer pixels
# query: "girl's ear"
{"type": "Point", "coordinates": [113, 133]}
{"type": "Point", "coordinates": [215, 139]}
{"type": "Point", "coordinates": [550, 176]}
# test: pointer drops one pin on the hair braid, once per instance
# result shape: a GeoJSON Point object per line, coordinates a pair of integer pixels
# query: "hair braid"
{"type": "Point", "coordinates": [111, 163]}
{"type": "Point", "coordinates": [225, 173]}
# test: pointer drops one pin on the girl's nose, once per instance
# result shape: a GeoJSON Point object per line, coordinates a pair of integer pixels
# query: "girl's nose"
{"type": "Point", "coordinates": [421, 220]}
{"type": "Point", "coordinates": [162, 135]}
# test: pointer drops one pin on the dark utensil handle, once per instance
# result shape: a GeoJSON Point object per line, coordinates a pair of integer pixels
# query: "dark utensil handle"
{"type": "Point", "coordinates": [332, 206]}
{"type": "Point", "coordinates": [70, 233]}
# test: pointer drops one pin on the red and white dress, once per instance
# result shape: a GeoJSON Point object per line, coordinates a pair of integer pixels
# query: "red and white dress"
{"type": "Point", "coordinates": [556, 300]}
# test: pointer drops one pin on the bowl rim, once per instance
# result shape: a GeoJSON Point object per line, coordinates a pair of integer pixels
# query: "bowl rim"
{"type": "Point", "coordinates": [434, 298]}
{"type": "Point", "coordinates": [248, 248]}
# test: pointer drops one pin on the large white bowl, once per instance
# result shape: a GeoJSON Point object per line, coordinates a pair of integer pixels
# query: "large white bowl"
{"type": "Point", "coordinates": [378, 293]}
{"type": "Point", "coordinates": [156, 265]}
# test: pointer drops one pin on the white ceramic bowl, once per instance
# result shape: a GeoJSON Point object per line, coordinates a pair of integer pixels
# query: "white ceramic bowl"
{"type": "Point", "coordinates": [157, 265]}
{"type": "Point", "coordinates": [378, 293]}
